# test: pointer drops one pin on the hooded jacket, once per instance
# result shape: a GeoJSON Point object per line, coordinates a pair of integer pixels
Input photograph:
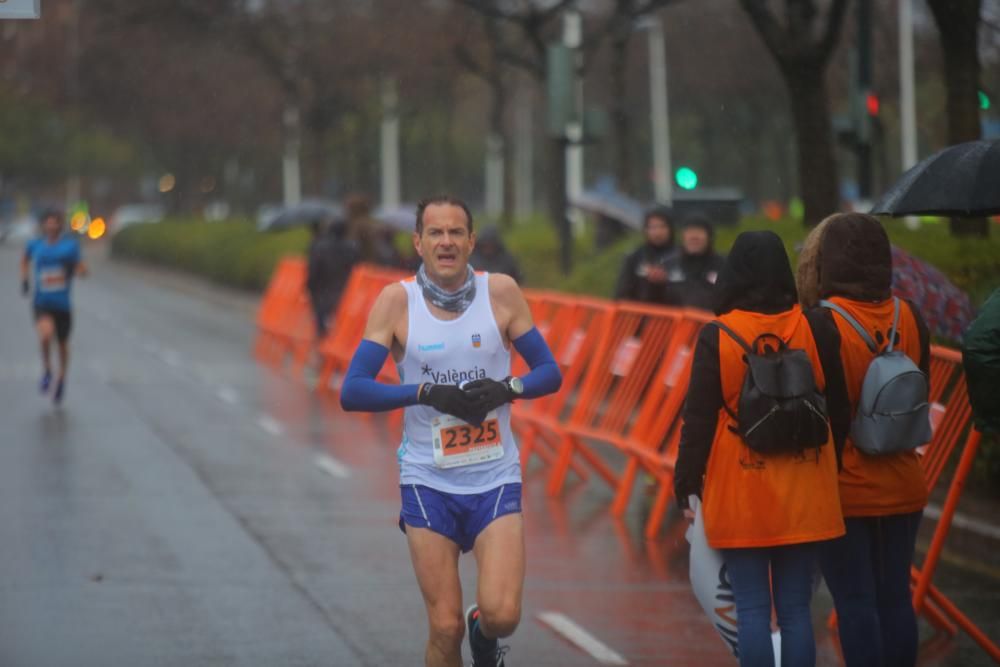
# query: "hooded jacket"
{"type": "Point", "coordinates": [752, 500]}
{"type": "Point", "coordinates": [854, 270]}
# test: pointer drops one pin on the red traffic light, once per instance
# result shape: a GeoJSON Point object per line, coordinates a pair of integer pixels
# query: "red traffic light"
{"type": "Point", "coordinates": [872, 104]}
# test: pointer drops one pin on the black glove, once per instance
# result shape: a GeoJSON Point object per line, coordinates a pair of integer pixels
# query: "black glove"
{"type": "Point", "coordinates": [451, 400]}
{"type": "Point", "coordinates": [25, 287]}
{"type": "Point", "coordinates": [488, 394]}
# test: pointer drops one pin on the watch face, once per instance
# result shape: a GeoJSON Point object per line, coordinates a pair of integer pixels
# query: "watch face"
{"type": "Point", "coordinates": [516, 385]}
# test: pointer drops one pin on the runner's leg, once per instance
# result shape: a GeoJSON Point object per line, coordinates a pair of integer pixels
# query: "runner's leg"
{"type": "Point", "coordinates": [499, 552]}
{"type": "Point", "coordinates": [435, 562]}
{"type": "Point", "coordinates": [63, 359]}
{"type": "Point", "coordinates": [46, 328]}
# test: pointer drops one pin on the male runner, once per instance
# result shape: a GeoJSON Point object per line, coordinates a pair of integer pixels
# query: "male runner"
{"type": "Point", "coordinates": [449, 331]}
{"type": "Point", "coordinates": [56, 257]}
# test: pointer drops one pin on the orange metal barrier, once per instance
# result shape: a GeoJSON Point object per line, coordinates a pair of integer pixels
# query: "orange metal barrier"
{"type": "Point", "coordinates": [953, 429]}
{"type": "Point", "coordinates": [625, 370]}
{"type": "Point", "coordinates": [364, 285]}
{"type": "Point", "coordinates": [284, 319]}
{"type": "Point", "coordinates": [623, 385]}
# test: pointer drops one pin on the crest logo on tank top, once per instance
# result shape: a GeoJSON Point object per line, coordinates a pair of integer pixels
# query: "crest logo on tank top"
{"type": "Point", "coordinates": [477, 341]}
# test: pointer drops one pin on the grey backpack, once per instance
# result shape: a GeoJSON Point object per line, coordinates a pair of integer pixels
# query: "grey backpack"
{"type": "Point", "coordinates": [893, 412]}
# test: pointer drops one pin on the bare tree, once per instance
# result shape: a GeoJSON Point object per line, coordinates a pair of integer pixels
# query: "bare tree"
{"type": "Point", "coordinates": [802, 46]}
{"type": "Point", "coordinates": [489, 67]}
{"type": "Point", "coordinates": [958, 25]}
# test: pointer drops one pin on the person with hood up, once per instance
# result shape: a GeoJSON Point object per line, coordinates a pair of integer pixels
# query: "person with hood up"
{"type": "Point", "coordinates": [692, 273]}
{"type": "Point", "coordinates": [643, 275]}
{"type": "Point", "coordinates": [492, 256]}
{"type": "Point", "coordinates": [847, 261]}
{"type": "Point", "coordinates": [331, 256]}
{"type": "Point", "coordinates": [767, 513]}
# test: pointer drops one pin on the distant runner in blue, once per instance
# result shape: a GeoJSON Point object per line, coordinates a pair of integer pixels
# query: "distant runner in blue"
{"type": "Point", "coordinates": [56, 259]}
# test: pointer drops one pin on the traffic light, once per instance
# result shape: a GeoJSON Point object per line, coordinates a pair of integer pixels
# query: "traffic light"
{"type": "Point", "coordinates": [872, 104]}
{"type": "Point", "coordinates": [984, 101]}
{"type": "Point", "coordinates": [686, 178]}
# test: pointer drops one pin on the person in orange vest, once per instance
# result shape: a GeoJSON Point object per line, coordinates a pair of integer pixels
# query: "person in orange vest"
{"type": "Point", "coordinates": [847, 262]}
{"type": "Point", "coordinates": [767, 513]}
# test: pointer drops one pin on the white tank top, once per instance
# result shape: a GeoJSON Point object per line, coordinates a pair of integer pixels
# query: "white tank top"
{"type": "Point", "coordinates": [450, 352]}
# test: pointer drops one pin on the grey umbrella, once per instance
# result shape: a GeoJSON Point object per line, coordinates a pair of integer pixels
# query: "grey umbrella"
{"type": "Point", "coordinates": [961, 181]}
{"type": "Point", "coordinates": [304, 213]}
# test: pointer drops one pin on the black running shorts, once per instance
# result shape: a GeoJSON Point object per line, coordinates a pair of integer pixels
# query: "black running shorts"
{"type": "Point", "coordinates": [63, 320]}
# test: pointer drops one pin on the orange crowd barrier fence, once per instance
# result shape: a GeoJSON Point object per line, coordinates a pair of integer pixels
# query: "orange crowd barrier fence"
{"type": "Point", "coordinates": [284, 318]}
{"type": "Point", "coordinates": [626, 369]}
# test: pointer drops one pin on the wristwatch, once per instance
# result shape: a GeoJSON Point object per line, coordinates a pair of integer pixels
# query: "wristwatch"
{"type": "Point", "coordinates": [514, 385]}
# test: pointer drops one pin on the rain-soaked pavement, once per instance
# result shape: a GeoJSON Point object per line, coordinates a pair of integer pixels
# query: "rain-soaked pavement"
{"type": "Point", "coordinates": [188, 506]}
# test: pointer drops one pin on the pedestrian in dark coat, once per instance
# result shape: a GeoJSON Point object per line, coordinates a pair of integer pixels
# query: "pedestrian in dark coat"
{"type": "Point", "coordinates": [643, 275]}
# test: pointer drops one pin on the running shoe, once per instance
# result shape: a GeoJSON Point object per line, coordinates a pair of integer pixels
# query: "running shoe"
{"type": "Point", "coordinates": [57, 395]}
{"type": "Point", "coordinates": [43, 386]}
{"type": "Point", "coordinates": [485, 653]}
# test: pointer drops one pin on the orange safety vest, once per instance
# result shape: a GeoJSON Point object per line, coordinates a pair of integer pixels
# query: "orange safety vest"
{"type": "Point", "coordinates": [877, 485]}
{"type": "Point", "coordinates": [752, 500]}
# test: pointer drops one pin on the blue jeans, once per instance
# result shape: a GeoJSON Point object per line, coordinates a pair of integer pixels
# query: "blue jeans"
{"type": "Point", "coordinates": [788, 571]}
{"type": "Point", "coordinates": [868, 573]}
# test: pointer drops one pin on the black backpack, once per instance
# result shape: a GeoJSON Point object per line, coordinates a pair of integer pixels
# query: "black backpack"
{"type": "Point", "coordinates": [780, 410]}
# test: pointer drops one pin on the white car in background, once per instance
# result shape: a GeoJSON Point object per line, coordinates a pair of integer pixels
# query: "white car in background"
{"type": "Point", "coordinates": [134, 214]}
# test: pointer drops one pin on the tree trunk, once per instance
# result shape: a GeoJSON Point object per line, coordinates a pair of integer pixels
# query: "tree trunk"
{"type": "Point", "coordinates": [816, 165]}
{"type": "Point", "coordinates": [958, 25]}
{"type": "Point", "coordinates": [619, 79]}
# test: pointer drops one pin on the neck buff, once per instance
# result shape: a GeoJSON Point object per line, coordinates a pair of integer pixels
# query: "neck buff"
{"type": "Point", "coordinates": [455, 302]}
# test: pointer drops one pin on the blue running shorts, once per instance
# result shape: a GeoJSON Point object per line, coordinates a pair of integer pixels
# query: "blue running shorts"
{"type": "Point", "coordinates": [459, 517]}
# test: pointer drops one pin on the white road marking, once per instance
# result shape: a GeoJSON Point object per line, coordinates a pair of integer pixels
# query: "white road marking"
{"type": "Point", "coordinates": [228, 395]}
{"type": "Point", "coordinates": [332, 466]}
{"type": "Point", "coordinates": [564, 626]}
{"type": "Point", "coordinates": [981, 528]}
{"type": "Point", "coordinates": [271, 425]}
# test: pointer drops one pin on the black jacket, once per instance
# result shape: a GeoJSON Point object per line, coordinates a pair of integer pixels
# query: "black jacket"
{"type": "Point", "coordinates": [691, 280]}
{"type": "Point", "coordinates": [632, 284]}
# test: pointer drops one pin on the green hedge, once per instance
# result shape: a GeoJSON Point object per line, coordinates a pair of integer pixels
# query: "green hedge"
{"type": "Point", "coordinates": [231, 253]}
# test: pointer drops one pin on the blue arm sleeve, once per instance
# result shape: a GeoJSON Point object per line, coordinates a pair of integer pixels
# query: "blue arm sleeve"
{"type": "Point", "coordinates": [545, 377]}
{"type": "Point", "coordinates": [361, 392]}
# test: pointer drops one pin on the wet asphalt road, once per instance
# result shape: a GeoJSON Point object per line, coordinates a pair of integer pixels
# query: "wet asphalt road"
{"type": "Point", "coordinates": [189, 506]}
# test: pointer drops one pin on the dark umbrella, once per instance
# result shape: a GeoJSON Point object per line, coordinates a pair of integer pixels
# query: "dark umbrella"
{"type": "Point", "coordinates": [305, 213]}
{"type": "Point", "coordinates": [946, 308]}
{"type": "Point", "coordinates": [962, 181]}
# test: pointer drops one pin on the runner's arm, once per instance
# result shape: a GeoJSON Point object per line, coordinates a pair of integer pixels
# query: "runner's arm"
{"type": "Point", "coordinates": [361, 391]}
{"type": "Point", "coordinates": [545, 376]}
{"type": "Point", "coordinates": [26, 269]}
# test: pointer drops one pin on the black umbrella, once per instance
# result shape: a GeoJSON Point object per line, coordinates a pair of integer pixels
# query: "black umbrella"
{"type": "Point", "coordinates": [961, 181]}
{"type": "Point", "coordinates": [304, 213]}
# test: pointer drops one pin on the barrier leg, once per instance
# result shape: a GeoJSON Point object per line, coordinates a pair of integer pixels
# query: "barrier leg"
{"type": "Point", "coordinates": [659, 510]}
{"type": "Point", "coordinates": [944, 523]}
{"type": "Point", "coordinates": [963, 621]}
{"type": "Point", "coordinates": [625, 484]}
{"type": "Point", "coordinates": [557, 476]}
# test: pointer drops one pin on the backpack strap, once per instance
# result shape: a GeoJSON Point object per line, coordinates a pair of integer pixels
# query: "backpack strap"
{"type": "Point", "coordinates": [895, 322]}
{"type": "Point", "coordinates": [865, 336]}
{"type": "Point", "coordinates": [735, 336]}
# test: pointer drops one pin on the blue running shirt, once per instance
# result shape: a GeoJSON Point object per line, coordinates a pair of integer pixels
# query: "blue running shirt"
{"type": "Point", "coordinates": [54, 266]}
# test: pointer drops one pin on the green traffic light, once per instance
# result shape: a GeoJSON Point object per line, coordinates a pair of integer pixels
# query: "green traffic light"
{"type": "Point", "coordinates": [984, 101]}
{"type": "Point", "coordinates": [686, 178]}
